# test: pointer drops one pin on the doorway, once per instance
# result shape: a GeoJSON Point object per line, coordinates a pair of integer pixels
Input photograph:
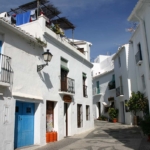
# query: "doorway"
{"type": "Point", "coordinates": [65, 119]}
{"type": "Point", "coordinates": [49, 116]}
{"type": "Point", "coordinates": [79, 115]}
{"type": "Point", "coordinates": [123, 113]}
{"type": "Point", "coordinates": [64, 80]}
{"type": "Point", "coordinates": [24, 124]}
{"type": "Point", "coordinates": [99, 109]}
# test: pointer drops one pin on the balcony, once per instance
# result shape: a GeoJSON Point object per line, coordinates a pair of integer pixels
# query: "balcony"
{"type": "Point", "coordinates": [138, 58]}
{"type": "Point", "coordinates": [6, 72]}
{"type": "Point", "coordinates": [85, 91]}
{"type": "Point", "coordinates": [67, 86]}
{"type": "Point", "coordinates": [111, 85]}
{"type": "Point", "coordinates": [96, 91]}
{"type": "Point", "coordinates": [119, 91]}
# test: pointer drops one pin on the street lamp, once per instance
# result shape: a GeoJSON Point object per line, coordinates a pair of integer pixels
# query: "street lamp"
{"type": "Point", "coordinates": [47, 58]}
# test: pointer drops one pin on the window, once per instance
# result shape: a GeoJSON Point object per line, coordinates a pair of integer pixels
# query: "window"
{"type": "Point", "coordinates": [138, 56]}
{"type": "Point", "coordinates": [64, 72]}
{"type": "Point", "coordinates": [79, 115]}
{"type": "Point", "coordinates": [140, 52]}
{"type": "Point", "coordinates": [143, 81]}
{"type": "Point", "coordinates": [87, 112]}
{"type": "Point", "coordinates": [84, 85]}
{"type": "Point", "coordinates": [119, 61]}
{"type": "Point", "coordinates": [64, 64]}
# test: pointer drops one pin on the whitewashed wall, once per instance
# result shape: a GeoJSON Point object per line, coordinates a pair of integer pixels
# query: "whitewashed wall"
{"type": "Point", "coordinates": [105, 93]}
{"type": "Point", "coordinates": [44, 85]}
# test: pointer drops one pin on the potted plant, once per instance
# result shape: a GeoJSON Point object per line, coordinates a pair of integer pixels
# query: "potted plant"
{"type": "Point", "coordinates": [145, 126]}
{"type": "Point", "coordinates": [113, 113]}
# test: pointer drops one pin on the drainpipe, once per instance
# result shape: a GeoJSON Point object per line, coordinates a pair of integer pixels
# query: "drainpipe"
{"type": "Point", "coordinates": [144, 37]}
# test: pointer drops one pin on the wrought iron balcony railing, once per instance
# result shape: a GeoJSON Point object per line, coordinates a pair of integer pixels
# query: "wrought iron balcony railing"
{"type": "Point", "coordinates": [85, 91]}
{"type": "Point", "coordinates": [119, 91]}
{"type": "Point", "coordinates": [6, 72]}
{"type": "Point", "coordinates": [96, 91]}
{"type": "Point", "coordinates": [67, 85]}
{"type": "Point", "coordinates": [138, 56]}
{"type": "Point", "coordinates": [111, 85]}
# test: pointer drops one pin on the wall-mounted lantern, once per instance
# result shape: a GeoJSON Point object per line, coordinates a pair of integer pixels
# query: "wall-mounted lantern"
{"type": "Point", "coordinates": [47, 58]}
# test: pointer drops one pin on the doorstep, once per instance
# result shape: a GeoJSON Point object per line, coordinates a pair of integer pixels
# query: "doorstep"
{"type": "Point", "coordinates": [33, 147]}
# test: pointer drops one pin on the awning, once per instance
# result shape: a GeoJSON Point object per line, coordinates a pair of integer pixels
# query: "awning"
{"type": "Point", "coordinates": [106, 105]}
{"type": "Point", "coordinates": [64, 68]}
{"type": "Point", "coordinates": [84, 75]}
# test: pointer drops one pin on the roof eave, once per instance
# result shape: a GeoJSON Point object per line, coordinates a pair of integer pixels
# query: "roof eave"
{"type": "Point", "coordinates": [20, 31]}
{"type": "Point", "coordinates": [132, 15]}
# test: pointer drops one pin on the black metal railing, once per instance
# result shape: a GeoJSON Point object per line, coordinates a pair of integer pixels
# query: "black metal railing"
{"type": "Point", "coordinates": [67, 85]}
{"type": "Point", "coordinates": [119, 91]}
{"type": "Point", "coordinates": [6, 72]}
{"type": "Point", "coordinates": [138, 56]}
{"type": "Point", "coordinates": [85, 91]}
{"type": "Point", "coordinates": [111, 85]}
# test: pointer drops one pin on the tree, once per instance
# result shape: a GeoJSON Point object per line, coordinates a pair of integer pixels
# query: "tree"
{"type": "Point", "coordinates": [137, 102]}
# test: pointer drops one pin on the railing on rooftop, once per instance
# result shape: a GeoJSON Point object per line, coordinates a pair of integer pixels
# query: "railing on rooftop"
{"type": "Point", "coordinates": [6, 72]}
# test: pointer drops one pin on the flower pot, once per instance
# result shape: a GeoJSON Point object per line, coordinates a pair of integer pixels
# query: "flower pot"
{"type": "Point", "coordinates": [115, 120]}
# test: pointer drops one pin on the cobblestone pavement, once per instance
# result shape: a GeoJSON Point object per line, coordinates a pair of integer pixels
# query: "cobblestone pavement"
{"type": "Point", "coordinates": [105, 136]}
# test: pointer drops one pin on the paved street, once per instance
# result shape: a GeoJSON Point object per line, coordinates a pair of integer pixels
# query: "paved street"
{"type": "Point", "coordinates": [105, 136]}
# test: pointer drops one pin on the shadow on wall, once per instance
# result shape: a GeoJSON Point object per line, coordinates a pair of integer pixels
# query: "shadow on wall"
{"type": "Point", "coordinates": [1, 97]}
{"type": "Point", "coordinates": [46, 79]}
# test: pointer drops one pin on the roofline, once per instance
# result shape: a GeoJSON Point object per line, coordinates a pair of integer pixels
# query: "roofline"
{"type": "Point", "coordinates": [137, 6]}
{"type": "Point", "coordinates": [103, 73]}
{"type": "Point", "coordinates": [119, 50]}
{"type": "Point", "coordinates": [18, 30]}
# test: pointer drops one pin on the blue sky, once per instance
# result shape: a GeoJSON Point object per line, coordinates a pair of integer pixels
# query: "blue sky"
{"type": "Point", "coordinates": [101, 22]}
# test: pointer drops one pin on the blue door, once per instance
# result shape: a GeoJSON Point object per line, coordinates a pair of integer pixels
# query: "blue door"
{"type": "Point", "coordinates": [24, 124]}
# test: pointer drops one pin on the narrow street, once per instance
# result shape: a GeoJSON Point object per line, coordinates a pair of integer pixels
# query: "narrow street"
{"type": "Point", "coordinates": [105, 136]}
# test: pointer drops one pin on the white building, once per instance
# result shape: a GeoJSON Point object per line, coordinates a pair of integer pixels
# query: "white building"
{"type": "Point", "coordinates": [141, 46]}
{"type": "Point", "coordinates": [103, 85]}
{"type": "Point", "coordinates": [58, 98]}
{"type": "Point", "coordinates": [125, 77]}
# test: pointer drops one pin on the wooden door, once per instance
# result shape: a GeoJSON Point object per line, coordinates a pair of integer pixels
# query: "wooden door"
{"type": "Point", "coordinates": [79, 117]}
{"type": "Point", "coordinates": [64, 80]}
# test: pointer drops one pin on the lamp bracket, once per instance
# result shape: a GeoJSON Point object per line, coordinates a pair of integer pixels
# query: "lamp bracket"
{"type": "Point", "coordinates": [40, 67]}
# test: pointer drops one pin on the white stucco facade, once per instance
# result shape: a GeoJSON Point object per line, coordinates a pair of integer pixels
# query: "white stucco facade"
{"type": "Point", "coordinates": [103, 71]}
{"type": "Point", "coordinates": [39, 87]}
{"type": "Point", "coordinates": [141, 36]}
